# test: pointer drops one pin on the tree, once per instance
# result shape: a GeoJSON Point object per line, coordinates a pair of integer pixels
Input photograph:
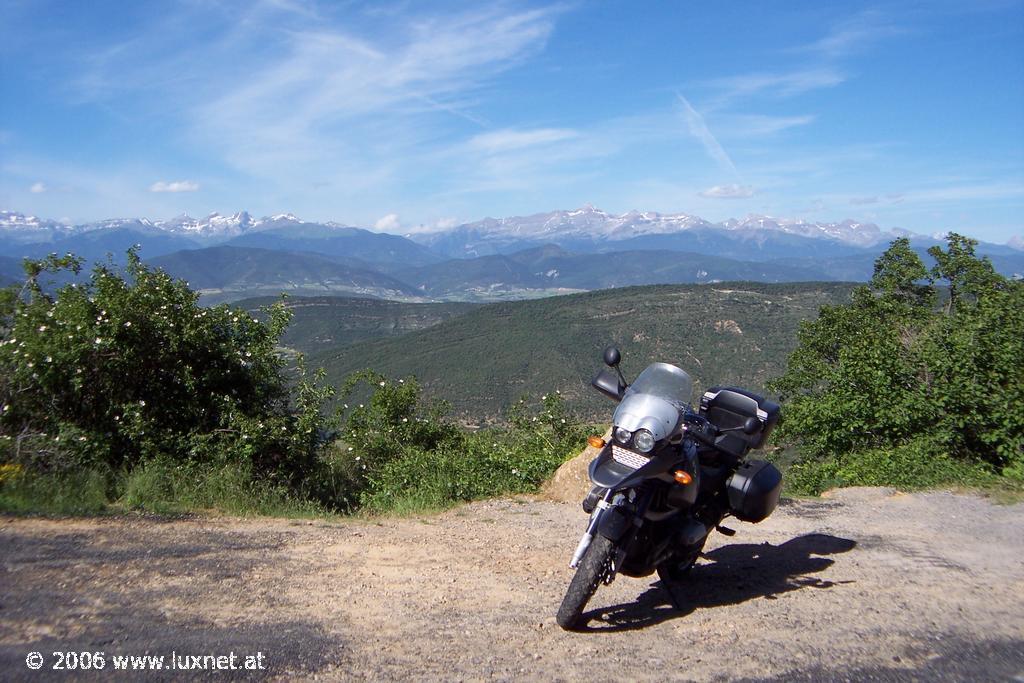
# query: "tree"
{"type": "Point", "coordinates": [900, 275]}
{"type": "Point", "coordinates": [888, 376]}
{"type": "Point", "coordinates": [968, 276]}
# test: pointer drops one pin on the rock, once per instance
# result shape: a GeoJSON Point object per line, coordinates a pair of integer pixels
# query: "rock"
{"type": "Point", "coordinates": [570, 483]}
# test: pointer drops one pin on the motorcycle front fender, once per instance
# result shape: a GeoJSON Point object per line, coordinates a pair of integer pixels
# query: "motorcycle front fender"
{"type": "Point", "coordinates": [607, 473]}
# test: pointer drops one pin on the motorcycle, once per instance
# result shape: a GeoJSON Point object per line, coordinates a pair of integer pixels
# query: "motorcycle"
{"type": "Point", "coordinates": [667, 478]}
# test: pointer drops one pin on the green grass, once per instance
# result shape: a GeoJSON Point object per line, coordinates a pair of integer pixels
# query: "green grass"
{"type": "Point", "coordinates": [155, 487]}
{"type": "Point", "coordinates": [74, 493]}
{"type": "Point", "coordinates": [165, 487]}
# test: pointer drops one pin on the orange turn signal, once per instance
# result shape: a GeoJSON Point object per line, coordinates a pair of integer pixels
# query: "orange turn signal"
{"type": "Point", "coordinates": [682, 477]}
{"type": "Point", "coordinates": [595, 441]}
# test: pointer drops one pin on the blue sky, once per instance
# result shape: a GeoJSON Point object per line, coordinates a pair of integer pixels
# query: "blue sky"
{"type": "Point", "coordinates": [907, 114]}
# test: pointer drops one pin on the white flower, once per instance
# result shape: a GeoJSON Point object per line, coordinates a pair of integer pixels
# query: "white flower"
{"type": "Point", "coordinates": [98, 340]}
{"type": "Point", "coordinates": [349, 449]}
{"type": "Point", "coordinates": [543, 398]}
{"type": "Point", "coordinates": [81, 438]}
{"type": "Point", "coordinates": [405, 419]}
{"type": "Point", "coordinates": [142, 403]}
{"type": "Point", "coordinates": [128, 324]}
{"type": "Point", "coordinates": [401, 381]}
{"type": "Point", "coordinates": [6, 407]}
{"type": "Point", "coordinates": [49, 359]}
{"type": "Point", "coordinates": [382, 383]}
{"type": "Point", "coordinates": [31, 365]}
{"type": "Point", "coordinates": [42, 328]}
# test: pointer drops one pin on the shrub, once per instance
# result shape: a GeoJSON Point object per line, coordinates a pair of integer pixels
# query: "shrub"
{"type": "Point", "coordinates": [400, 453]}
{"type": "Point", "coordinates": [127, 370]}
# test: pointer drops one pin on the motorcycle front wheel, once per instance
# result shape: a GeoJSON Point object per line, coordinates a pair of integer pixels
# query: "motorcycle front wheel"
{"type": "Point", "coordinates": [590, 573]}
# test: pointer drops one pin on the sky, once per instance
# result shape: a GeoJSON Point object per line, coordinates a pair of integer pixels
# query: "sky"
{"type": "Point", "coordinates": [407, 116]}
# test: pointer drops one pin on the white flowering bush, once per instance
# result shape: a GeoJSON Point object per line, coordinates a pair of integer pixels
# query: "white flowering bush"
{"type": "Point", "coordinates": [128, 368]}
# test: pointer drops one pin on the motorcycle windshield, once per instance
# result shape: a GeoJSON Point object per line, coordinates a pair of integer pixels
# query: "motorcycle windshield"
{"type": "Point", "coordinates": [655, 400]}
{"type": "Point", "coordinates": [664, 381]}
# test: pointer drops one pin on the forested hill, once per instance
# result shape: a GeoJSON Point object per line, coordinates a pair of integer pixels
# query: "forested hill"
{"type": "Point", "coordinates": [728, 333]}
{"type": "Point", "coordinates": [323, 322]}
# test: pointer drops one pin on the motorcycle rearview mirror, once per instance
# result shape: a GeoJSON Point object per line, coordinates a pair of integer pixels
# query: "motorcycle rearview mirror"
{"type": "Point", "coordinates": [612, 357]}
{"type": "Point", "coordinates": [749, 427]}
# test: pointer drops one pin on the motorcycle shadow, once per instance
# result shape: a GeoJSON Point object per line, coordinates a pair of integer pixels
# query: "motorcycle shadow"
{"type": "Point", "coordinates": [727, 576]}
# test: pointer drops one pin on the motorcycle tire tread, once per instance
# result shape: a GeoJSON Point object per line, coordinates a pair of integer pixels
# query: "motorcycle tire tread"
{"type": "Point", "coordinates": [589, 575]}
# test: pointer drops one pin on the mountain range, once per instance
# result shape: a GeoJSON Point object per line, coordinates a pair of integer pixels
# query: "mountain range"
{"type": "Point", "coordinates": [236, 256]}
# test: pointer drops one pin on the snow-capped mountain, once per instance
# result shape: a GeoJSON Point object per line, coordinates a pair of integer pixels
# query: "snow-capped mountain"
{"type": "Point", "coordinates": [22, 229]}
{"type": "Point", "coordinates": [848, 231]}
{"type": "Point", "coordinates": [595, 223]}
{"type": "Point", "coordinates": [589, 229]}
{"type": "Point", "coordinates": [19, 228]}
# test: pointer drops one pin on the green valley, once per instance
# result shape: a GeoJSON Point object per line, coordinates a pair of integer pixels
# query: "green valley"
{"type": "Point", "coordinates": [482, 361]}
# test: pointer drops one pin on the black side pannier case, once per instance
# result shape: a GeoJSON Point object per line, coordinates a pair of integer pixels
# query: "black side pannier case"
{"type": "Point", "coordinates": [754, 490]}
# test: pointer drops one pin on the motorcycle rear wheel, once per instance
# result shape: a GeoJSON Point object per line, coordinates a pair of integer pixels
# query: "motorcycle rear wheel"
{"type": "Point", "coordinates": [590, 573]}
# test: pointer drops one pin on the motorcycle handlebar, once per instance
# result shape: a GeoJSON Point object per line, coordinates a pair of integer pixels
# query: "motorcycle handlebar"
{"type": "Point", "coordinates": [701, 429]}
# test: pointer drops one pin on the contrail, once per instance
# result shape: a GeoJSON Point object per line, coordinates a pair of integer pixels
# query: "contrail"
{"type": "Point", "coordinates": [700, 130]}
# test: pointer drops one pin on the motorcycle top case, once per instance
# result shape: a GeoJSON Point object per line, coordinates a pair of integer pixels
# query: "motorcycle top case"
{"type": "Point", "coordinates": [728, 407]}
{"type": "Point", "coordinates": [754, 490]}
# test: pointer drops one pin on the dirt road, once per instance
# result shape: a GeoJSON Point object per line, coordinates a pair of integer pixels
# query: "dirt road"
{"type": "Point", "coordinates": [869, 584]}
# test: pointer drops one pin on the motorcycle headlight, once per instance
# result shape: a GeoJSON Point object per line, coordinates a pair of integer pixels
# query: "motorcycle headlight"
{"type": "Point", "coordinates": [643, 440]}
{"type": "Point", "coordinates": [622, 435]}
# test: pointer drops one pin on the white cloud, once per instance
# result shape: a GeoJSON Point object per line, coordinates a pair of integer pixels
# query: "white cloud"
{"type": "Point", "coordinates": [388, 223]}
{"type": "Point", "coordinates": [759, 125]}
{"type": "Point", "coordinates": [511, 139]}
{"type": "Point", "coordinates": [38, 188]}
{"type": "Point", "coordinates": [357, 105]}
{"type": "Point", "coordinates": [728, 192]}
{"type": "Point", "coordinates": [174, 186]}
{"type": "Point", "coordinates": [778, 84]}
{"type": "Point", "coordinates": [854, 34]}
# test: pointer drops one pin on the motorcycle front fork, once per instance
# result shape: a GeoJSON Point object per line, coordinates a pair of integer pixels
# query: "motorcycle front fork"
{"type": "Point", "coordinates": [595, 521]}
{"type": "Point", "coordinates": [610, 500]}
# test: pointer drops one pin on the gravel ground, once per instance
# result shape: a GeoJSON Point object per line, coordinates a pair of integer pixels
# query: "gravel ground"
{"type": "Point", "coordinates": [869, 584]}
